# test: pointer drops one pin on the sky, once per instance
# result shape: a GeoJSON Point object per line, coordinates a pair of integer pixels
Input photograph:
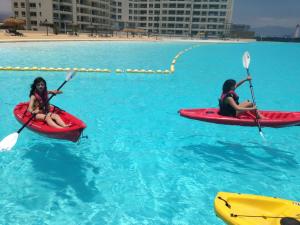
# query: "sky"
{"type": "Point", "coordinates": [256, 13]}
{"type": "Point", "coordinates": [260, 13]}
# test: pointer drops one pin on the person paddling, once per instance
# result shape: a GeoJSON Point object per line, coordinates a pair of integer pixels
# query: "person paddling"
{"type": "Point", "coordinates": [39, 106]}
{"type": "Point", "coordinates": [229, 101]}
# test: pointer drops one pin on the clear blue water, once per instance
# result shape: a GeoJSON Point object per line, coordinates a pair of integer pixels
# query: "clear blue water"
{"type": "Point", "coordinates": [142, 163]}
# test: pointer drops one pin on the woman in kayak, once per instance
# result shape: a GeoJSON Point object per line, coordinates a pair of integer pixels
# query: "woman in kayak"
{"type": "Point", "coordinates": [39, 105]}
{"type": "Point", "coordinates": [229, 101]}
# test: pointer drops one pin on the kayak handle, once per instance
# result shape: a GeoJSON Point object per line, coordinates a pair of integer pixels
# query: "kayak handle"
{"type": "Point", "coordinates": [226, 203]}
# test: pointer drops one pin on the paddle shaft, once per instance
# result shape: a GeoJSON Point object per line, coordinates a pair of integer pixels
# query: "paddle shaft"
{"type": "Point", "coordinates": [251, 89]}
{"type": "Point", "coordinates": [253, 100]}
{"type": "Point", "coordinates": [32, 117]}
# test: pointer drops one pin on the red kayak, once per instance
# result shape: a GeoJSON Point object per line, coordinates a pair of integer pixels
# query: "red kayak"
{"type": "Point", "coordinates": [71, 133]}
{"type": "Point", "coordinates": [271, 118]}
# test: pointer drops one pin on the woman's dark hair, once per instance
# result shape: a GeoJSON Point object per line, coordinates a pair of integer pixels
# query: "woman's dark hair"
{"type": "Point", "coordinates": [35, 82]}
{"type": "Point", "coordinates": [228, 84]}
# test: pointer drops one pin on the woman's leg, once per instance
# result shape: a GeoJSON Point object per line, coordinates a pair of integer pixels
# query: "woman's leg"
{"type": "Point", "coordinates": [40, 116]}
{"type": "Point", "coordinates": [48, 119]}
{"type": "Point", "coordinates": [246, 104]}
{"type": "Point", "coordinates": [58, 120]}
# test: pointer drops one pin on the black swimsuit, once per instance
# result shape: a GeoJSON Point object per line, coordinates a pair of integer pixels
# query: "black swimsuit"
{"type": "Point", "coordinates": [225, 108]}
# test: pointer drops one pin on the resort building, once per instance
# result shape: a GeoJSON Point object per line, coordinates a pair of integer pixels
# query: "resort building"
{"type": "Point", "coordinates": [175, 17]}
{"type": "Point", "coordinates": [161, 17]}
{"type": "Point", "coordinates": [64, 15]}
{"type": "Point", "coordinates": [241, 31]}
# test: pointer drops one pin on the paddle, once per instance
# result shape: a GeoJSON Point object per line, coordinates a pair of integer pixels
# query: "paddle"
{"type": "Point", "coordinates": [9, 141]}
{"type": "Point", "coordinates": [246, 63]}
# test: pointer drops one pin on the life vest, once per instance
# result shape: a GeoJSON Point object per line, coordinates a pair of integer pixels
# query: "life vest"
{"type": "Point", "coordinates": [42, 101]}
{"type": "Point", "coordinates": [226, 109]}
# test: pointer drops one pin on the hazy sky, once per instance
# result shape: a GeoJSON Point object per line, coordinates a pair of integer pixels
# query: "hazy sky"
{"type": "Point", "coordinates": [256, 13]}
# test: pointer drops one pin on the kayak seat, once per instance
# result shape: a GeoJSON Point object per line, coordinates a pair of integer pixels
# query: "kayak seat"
{"type": "Point", "coordinates": [210, 112]}
{"type": "Point", "coordinates": [289, 221]}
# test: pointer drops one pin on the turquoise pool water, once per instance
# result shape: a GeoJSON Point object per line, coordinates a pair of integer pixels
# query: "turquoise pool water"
{"type": "Point", "coordinates": [142, 163]}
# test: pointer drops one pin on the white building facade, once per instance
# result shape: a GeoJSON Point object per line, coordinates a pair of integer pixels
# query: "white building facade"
{"type": "Point", "coordinates": [176, 17]}
{"type": "Point", "coordinates": [162, 17]}
{"type": "Point", "coordinates": [65, 15]}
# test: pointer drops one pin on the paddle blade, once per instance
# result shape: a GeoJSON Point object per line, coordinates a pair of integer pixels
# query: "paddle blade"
{"type": "Point", "coordinates": [246, 60]}
{"type": "Point", "coordinates": [9, 142]}
{"type": "Point", "coordinates": [70, 75]}
{"type": "Point", "coordinates": [262, 136]}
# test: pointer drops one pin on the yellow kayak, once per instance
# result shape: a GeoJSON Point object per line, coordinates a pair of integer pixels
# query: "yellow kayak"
{"type": "Point", "coordinates": [245, 209]}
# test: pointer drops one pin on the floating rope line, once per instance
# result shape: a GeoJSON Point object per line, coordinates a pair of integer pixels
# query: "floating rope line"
{"type": "Point", "coordinates": [54, 69]}
{"type": "Point", "coordinates": [10, 68]}
{"type": "Point", "coordinates": [172, 66]}
{"type": "Point", "coordinates": [98, 70]}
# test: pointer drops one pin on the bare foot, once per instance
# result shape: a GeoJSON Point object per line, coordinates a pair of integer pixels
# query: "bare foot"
{"type": "Point", "coordinates": [262, 117]}
{"type": "Point", "coordinates": [67, 125]}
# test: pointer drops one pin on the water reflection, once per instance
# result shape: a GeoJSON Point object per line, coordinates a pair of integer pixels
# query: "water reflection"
{"type": "Point", "coordinates": [60, 169]}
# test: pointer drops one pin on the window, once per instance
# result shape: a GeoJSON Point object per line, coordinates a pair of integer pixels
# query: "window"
{"type": "Point", "coordinates": [16, 13]}
{"type": "Point", "coordinates": [33, 14]}
{"type": "Point", "coordinates": [15, 4]}
{"type": "Point", "coordinates": [212, 20]}
{"type": "Point", "coordinates": [213, 13]}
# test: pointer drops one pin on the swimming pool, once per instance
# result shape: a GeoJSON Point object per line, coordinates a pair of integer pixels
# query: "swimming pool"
{"type": "Point", "coordinates": [142, 163]}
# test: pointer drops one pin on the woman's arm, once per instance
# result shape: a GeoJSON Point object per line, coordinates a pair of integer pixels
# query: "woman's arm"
{"type": "Point", "coordinates": [54, 92]}
{"type": "Point", "coordinates": [30, 106]}
{"type": "Point", "coordinates": [231, 102]}
{"type": "Point", "coordinates": [242, 81]}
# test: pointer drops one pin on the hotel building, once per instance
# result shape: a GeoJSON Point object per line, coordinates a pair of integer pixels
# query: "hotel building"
{"type": "Point", "coordinates": [65, 15]}
{"type": "Point", "coordinates": [162, 17]}
{"type": "Point", "coordinates": [175, 17]}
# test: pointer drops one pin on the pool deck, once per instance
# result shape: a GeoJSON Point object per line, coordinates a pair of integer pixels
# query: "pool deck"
{"type": "Point", "coordinates": [35, 36]}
